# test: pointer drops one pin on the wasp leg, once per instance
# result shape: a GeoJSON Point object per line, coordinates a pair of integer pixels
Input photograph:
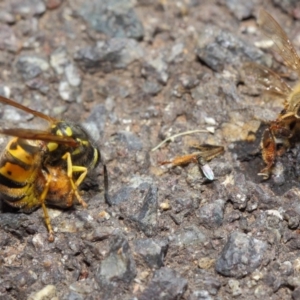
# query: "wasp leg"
{"type": "Point", "coordinates": [70, 170]}
{"type": "Point", "coordinates": [182, 160]}
{"type": "Point", "coordinates": [268, 153]}
{"type": "Point", "coordinates": [106, 194]}
{"type": "Point", "coordinates": [46, 215]}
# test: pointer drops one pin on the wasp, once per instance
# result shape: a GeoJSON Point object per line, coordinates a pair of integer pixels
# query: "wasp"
{"type": "Point", "coordinates": [46, 167]}
{"type": "Point", "coordinates": [202, 156]}
{"type": "Point", "coordinates": [279, 136]}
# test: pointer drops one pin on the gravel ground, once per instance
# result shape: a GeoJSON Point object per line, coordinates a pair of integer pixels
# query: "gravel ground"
{"type": "Point", "coordinates": [135, 73]}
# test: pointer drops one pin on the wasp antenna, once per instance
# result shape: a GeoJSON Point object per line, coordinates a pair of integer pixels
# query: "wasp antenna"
{"type": "Point", "coordinates": [10, 102]}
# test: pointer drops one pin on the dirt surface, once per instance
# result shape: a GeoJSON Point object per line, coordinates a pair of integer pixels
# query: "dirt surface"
{"type": "Point", "coordinates": [134, 73]}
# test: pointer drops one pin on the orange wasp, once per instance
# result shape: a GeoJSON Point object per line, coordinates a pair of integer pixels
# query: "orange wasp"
{"type": "Point", "coordinates": [278, 136]}
{"type": "Point", "coordinates": [46, 167]}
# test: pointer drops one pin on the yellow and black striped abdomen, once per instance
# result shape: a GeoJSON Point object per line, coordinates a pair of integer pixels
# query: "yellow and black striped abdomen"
{"type": "Point", "coordinates": [19, 168]}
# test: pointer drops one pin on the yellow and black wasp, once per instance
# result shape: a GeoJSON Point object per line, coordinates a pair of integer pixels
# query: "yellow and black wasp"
{"type": "Point", "coordinates": [39, 168]}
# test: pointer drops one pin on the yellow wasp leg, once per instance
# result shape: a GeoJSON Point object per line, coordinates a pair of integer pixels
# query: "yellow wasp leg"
{"type": "Point", "coordinates": [70, 170]}
{"type": "Point", "coordinates": [46, 215]}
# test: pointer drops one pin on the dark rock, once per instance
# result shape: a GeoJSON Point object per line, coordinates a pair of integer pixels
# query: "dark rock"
{"type": "Point", "coordinates": [26, 278]}
{"type": "Point", "coordinates": [206, 285]}
{"type": "Point", "coordinates": [117, 269]}
{"type": "Point", "coordinates": [115, 18]}
{"type": "Point", "coordinates": [292, 241]}
{"type": "Point", "coordinates": [165, 285]}
{"type": "Point", "coordinates": [131, 141]}
{"type": "Point", "coordinates": [240, 256]}
{"type": "Point", "coordinates": [151, 87]}
{"type": "Point", "coordinates": [211, 215]}
{"type": "Point", "coordinates": [121, 195]}
{"type": "Point", "coordinates": [233, 216]}
{"type": "Point", "coordinates": [218, 48]}
{"type": "Point", "coordinates": [152, 251]}
{"type": "Point", "coordinates": [262, 196]}
{"type": "Point", "coordinates": [31, 66]}
{"type": "Point", "coordinates": [220, 168]}
{"type": "Point", "coordinates": [238, 192]}
{"type": "Point", "coordinates": [296, 294]}
{"type": "Point", "coordinates": [146, 218]}
{"type": "Point", "coordinates": [100, 233]}
{"type": "Point", "coordinates": [115, 53]}
{"type": "Point", "coordinates": [191, 235]}
{"type": "Point", "coordinates": [14, 223]}
{"type": "Point", "coordinates": [292, 218]}
{"type": "Point", "coordinates": [182, 208]}
{"type": "Point", "coordinates": [243, 225]}
{"type": "Point", "coordinates": [38, 84]}
{"type": "Point", "coordinates": [137, 187]}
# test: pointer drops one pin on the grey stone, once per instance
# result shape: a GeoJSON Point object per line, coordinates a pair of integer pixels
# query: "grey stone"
{"type": "Point", "coordinates": [27, 8]}
{"type": "Point", "coordinates": [218, 48]}
{"type": "Point", "coordinates": [211, 215]}
{"type": "Point", "coordinates": [152, 251]}
{"type": "Point", "coordinates": [131, 141]}
{"type": "Point", "coordinates": [137, 186]}
{"type": "Point", "coordinates": [238, 192]}
{"type": "Point", "coordinates": [157, 67]}
{"type": "Point", "coordinates": [115, 53]}
{"type": "Point", "coordinates": [166, 284]}
{"type": "Point", "coordinates": [115, 18]}
{"type": "Point", "coordinates": [152, 87]}
{"type": "Point", "coordinates": [206, 284]}
{"type": "Point", "coordinates": [38, 84]}
{"type": "Point", "coordinates": [59, 60]}
{"type": "Point", "coordinates": [240, 256]}
{"type": "Point", "coordinates": [191, 235]}
{"type": "Point", "coordinates": [117, 269]}
{"type": "Point", "coordinates": [242, 10]}
{"type": "Point", "coordinates": [31, 66]}
{"type": "Point", "coordinates": [8, 39]}
{"type": "Point", "coordinates": [146, 218]}
{"type": "Point", "coordinates": [72, 75]}
{"type": "Point", "coordinates": [95, 122]}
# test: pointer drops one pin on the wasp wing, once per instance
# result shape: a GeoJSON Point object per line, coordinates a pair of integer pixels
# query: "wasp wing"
{"type": "Point", "coordinates": [282, 43]}
{"type": "Point", "coordinates": [267, 79]}
{"type": "Point", "coordinates": [32, 134]}
{"type": "Point", "coordinates": [207, 151]}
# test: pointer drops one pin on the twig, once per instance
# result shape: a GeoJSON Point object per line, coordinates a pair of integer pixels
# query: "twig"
{"type": "Point", "coordinates": [177, 135]}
